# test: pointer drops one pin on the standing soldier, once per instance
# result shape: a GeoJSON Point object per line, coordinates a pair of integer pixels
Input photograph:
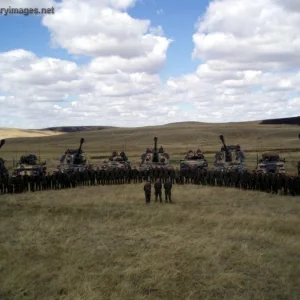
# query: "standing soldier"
{"type": "Point", "coordinates": [48, 179]}
{"type": "Point", "coordinates": [147, 190]}
{"type": "Point", "coordinates": [134, 174]}
{"type": "Point", "coordinates": [98, 175]}
{"type": "Point", "coordinates": [177, 176]}
{"type": "Point", "coordinates": [151, 174]}
{"type": "Point", "coordinates": [168, 188]}
{"type": "Point", "coordinates": [157, 188]}
{"type": "Point", "coordinates": [32, 183]}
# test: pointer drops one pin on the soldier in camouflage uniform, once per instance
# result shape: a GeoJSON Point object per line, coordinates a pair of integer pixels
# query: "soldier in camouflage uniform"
{"type": "Point", "coordinates": [1, 184]}
{"type": "Point", "coordinates": [168, 188]}
{"type": "Point", "coordinates": [157, 189]}
{"type": "Point", "coordinates": [297, 185]}
{"type": "Point", "coordinates": [92, 177]}
{"type": "Point", "coordinates": [147, 190]}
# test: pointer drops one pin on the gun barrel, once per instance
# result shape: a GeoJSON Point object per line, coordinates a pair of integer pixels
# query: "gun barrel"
{"type": "Point", "coordinates": [155, 144]}
{"type": "Point", "coordinates": [2, 142]}
{"type": "Point", "coordinates": [81, 142]}
{"type": "Point", "coordinates": [228, 157]}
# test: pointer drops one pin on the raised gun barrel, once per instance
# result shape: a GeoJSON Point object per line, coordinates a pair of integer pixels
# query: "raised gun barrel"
{"type": "Point", "coordinates": [76, 159]}
{"type": "Point", "coordinates": [228, 157]}
{"type": "Point", "coordinates": [79, 149]}
{"type": "Point", "coordinates": [155, 158]}
{"type": "Point", "coordinates": [2, 142]}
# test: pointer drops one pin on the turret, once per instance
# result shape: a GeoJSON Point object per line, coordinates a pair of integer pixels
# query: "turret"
{"type": "Point", "coordinates": [228, 157]}
{"type": "Point", "coordinates": [2, 142]}
{"type": "Point", "coordinates": [155, 157]}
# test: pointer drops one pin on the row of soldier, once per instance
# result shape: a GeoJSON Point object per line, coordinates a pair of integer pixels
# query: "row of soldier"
{"type": "Point", "coordinates": [270, 182]}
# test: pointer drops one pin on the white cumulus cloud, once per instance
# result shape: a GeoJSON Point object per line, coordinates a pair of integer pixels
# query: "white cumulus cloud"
{"type": "Point", "coordinates": [248, 52]}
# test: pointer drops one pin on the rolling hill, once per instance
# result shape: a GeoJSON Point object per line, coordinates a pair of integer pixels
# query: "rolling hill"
{"type": "Point", "coordinates": [287, 121]}
{"type": "Point", "coordinates": [68, 129]}
{"type": "Point", "coordinates": [6, 133]}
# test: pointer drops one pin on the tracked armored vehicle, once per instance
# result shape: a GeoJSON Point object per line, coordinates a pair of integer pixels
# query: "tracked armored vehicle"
{"type": "Point", "coordinates": [194, 160]}
{"type": "Point", "coordinates": [298, 163]}
{"type": "Point", "coordinates": [155, 158]}
{"type": "Point", "coordinates": [28, 164]}
{"type": "Point", "coordinates": [3, 169]}
{"type": "Point", "coordinates": [271, 163]}
{"type": "Point", "coordinates": [73, 159]}
{"type": "Point", "coordinates": [230, 158]}
{"type": "Point", "coordinates": [117, 161]}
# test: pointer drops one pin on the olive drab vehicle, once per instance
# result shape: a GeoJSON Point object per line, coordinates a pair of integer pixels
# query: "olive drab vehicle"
{"type": "Point", "coordinates": [298, 163]}
{"type": "Point", "coordinates": [155, 158]}
{"type": "Point", "coordinates": [271, 163]}
{"type": "Point", "coordinates": [3, 169]}
{"type": "Point", "coordinates": [194, 160]}
{"type": "Point", "coordinates": [73, 159]}
{"type": "Point", "coordinates": [230, 158]}
{"type": "Point", "coordinates": [28, 164]}
{"type": "Point", "coordinates": [117, 161]}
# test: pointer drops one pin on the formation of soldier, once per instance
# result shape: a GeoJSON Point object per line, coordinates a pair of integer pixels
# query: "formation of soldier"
{"type": "Point", "coordinates": [269, 182]}
{"type": "Point", "coordinates": [158, 191]}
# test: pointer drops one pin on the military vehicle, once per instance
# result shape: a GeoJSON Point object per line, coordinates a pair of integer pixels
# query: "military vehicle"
{"type": "Point", "coordinates": [194, 160]}
{"type": "Point", "coordinates": [298, 164]}
{"type": "Point", "coordinates": [230, 158]}
{"type": "Point", "coordinates": [3, 169]}
{"type": "Point", "coordinates": [29, 164]}
{"type": "Point", "coordinates": [73, 159]}
{"type": "Point", "coordinates": [271, 163]}
{"type": "Point", "coordinates": [117, 161]}
{"type": "Point", "coordinates": [155, 158]}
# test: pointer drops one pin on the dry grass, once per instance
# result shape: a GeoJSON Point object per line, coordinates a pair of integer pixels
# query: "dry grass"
{"type": "Point", "coordinates": [177, 139]}
{"type": "Point", "coordinates": [104, 243]}
{"type": "Point", "coordinates": [6, 133]}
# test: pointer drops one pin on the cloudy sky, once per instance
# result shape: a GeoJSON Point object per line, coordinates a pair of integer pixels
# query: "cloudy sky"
{"type": "Point", "coordinates": [147, 62]}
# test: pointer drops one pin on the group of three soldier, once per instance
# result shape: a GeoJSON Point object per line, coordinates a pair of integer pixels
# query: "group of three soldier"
{"type": "Point", "coordinates": [158, 191]}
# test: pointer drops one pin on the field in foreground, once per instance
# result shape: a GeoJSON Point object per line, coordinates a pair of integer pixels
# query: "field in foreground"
{"type": "Point", "coordinates": [105, 243]}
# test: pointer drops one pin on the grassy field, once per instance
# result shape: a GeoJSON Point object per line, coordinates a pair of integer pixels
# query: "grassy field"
{"type": "Point", "coordinates": [103, 242]}
{"type": "Point", "coordinates": [177, 139]}
{"type": "Point", "coordinates": [17, 133]}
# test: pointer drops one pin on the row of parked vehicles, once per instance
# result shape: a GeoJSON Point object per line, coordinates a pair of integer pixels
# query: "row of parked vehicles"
{"type": "Point", "coordinates": [229, 157]}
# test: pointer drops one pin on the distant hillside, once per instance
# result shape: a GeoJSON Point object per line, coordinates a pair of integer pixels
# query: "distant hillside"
{"type": "Point", "coordinates": [68, 129]}
{"type": "Point", "coordinates": [6, 133]}
{"type": "Point", "coordinates": [289, 121]}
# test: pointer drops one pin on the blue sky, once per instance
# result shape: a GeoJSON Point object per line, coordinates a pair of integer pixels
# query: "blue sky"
{"type": "Point", "coordinates": [249, 63]}
{"type": "Point", "coordinates": [177, 21]}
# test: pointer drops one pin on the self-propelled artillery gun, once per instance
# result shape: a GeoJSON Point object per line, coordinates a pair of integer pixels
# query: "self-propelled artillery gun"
{"type": "Point", "coordinates": [230, 158]}
{"type": "Point", "coordinates": [155, 158]}
{"type": "Point", "coordinates": [28, 164]}
{"type": "Point", "coordinates": [298, 163]}
{"type": "Point", "coordinates": [73, 159]}
{"type": "Point", "coordinates": [117, 161]}
{"type": "Point", "coordinates": [194, 160]}
{"type": "Point", "coordinates": [3, 169]}
{"type": "Point", "coordinates": [271, 163]}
